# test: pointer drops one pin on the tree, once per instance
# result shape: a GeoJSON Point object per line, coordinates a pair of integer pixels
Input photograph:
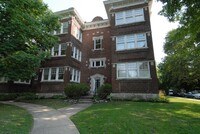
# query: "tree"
{"type": "Point", "coordinates": [179, 68]}
{"type": "Point", "coordinates": [25, 27]}
{"type": "Point", "coordinates": [182, 44]}
{"type": "Point", "coordinates": [187, 13]}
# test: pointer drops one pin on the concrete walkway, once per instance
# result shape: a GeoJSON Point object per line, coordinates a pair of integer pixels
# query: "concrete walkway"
{"type": "Point", "coordinates": [51, 121]}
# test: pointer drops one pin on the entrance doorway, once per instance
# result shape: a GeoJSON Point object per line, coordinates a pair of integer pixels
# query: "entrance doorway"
{"type": "Point", "coordinates": [95, 82]}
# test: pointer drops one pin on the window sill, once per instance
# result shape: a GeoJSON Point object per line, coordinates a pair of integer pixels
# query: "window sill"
{"type": "Point", "coordinates": [101, 49]}
{"type": "Point", "coordinates": [134, 49]}
{"type": "Point", "coordinates": [75, 81]}
{"type": "Point", "coordinates": [61, 33]}
{"type": "Point", "coordinates": [133, 78]}
{"type": "Point", "coordinates": [97, 67]}
{"type": "Point", "coordinates": [132, 23]}
{"type": "Point", "coordinates": [58, 56]}
{"type": "Point", "coordinates": [43, 81]}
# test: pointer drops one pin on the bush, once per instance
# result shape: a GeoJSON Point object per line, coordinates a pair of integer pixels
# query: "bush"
{"type": "Point", "coordinates": [104, 91]}
{"type": "Point", "coordinates": [26, 96]}
{"type": "Point", "coordinates": [75, 91]}
{"type": "Point", "coordinates": [18, 96]}
{"type": "Point", "coordinates": [5, 97]}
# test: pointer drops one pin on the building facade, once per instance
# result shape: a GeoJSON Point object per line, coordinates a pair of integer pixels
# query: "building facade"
{"type": "Point", "coordinates": [117, 50]}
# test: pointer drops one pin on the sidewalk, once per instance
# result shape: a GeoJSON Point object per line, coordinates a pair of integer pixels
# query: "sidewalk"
{"type": "Point", "coordinates": [51, 121]}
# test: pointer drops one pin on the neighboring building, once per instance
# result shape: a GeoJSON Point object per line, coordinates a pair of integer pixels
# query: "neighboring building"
{"type": "Point", "coordinates": [117, 50]}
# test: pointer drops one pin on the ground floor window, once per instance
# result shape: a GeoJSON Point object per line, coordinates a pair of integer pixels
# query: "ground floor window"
{"type": "Point", "coordinates": [75, 75]}
{"type": "Point", "coordinates": [133, 70]}
{"type": "Point", "coordinates": [53, 74]}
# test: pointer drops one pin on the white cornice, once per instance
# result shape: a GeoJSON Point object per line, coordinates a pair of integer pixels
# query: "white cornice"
{"type": "Point", "coordinates": [97, 24]}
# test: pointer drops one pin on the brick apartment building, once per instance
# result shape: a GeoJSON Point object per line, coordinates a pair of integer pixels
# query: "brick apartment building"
{"type": "Point", "coordinates": [117, 50]}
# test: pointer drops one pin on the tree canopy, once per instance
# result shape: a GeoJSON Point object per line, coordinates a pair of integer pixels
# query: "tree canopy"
{"type": "Point", "coordinates": [180, 68]}
{"type": "Point", "coordinates": [187, 13]}
{"type": "Point", "coordinates": [25, 27]}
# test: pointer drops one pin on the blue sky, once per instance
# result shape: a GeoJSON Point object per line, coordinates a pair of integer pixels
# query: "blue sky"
{"type": "Point", "coordinates": [88, 9]}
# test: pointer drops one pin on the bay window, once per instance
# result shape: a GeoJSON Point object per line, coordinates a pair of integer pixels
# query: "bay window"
{"type": "Point", "coordinates": [132, 41]}
{"type": "Point", "coordinates": [133, 70]}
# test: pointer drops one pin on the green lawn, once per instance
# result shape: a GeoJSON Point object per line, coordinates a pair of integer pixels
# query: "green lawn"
{"type": "Point", "coordinates": [53, 103]}
{"type": "Point", "coordinates": [180, 116]}
{"type": "Point", "coordinates": [14, 120]}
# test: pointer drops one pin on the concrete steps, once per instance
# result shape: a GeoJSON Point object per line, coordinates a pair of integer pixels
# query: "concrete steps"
{"type": "Point", "coordinates": [86, 99]}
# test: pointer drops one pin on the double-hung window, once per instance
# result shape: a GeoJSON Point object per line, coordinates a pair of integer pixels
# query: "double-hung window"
{"type": "Point", "coordinates": [129, 16]}
{"type": "Point", "coordinates": [62, 29]}
{"type": "Point", "coordinates": [98, 42]}
{"type": "Point", "coordinates": [75, 75]}
{"type": "Point", "coordinates": [65, 27]}
{"type": "Point", "coordinates": [133, 70]}
{"type": "Point", "coordinates": [76, 53]}
{"type": "Point", "coordinates": [59, 50]}
{"type": "Point", "coordinates": [53, 74]}
{"type": "Point", "coordinates": [131, 41]}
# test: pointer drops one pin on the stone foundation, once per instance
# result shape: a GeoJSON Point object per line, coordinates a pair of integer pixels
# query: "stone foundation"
{"type": "Point", "coordinates": [133, 96]}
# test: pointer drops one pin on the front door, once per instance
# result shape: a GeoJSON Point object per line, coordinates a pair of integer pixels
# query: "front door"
{"type": "Point", "coordinates": [95, 82]}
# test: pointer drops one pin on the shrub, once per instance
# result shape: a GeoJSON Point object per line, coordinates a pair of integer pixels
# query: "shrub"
{"type": "Point", "coordinates": [5, 97]}
{"type": "Point", "coordinates": [104, 91]}
{"type": "Point", "coordinates": [18, 96]}
{"type": "Point", "coordinates": [26, 96]}
{"type": "Point", "coordinates": [75, 91]}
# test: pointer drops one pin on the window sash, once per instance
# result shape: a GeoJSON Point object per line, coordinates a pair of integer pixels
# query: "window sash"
{"type": "Point", "coordinates": [97, 63]}
{"type": "Point", "coordinates": [133, 70]}
{"type": "Point", "coordinates": [53, 74]}
{"type": "Point", "coordinates": [129, 16]}
{"type": "Point", "coordinates": [97, 43]}
{"type": "Point", "coordinates": [65, 27]}
{"type": "Point", "coordinates": [131, 41]}
{"type": "Point", "coordinates": [75, 75]}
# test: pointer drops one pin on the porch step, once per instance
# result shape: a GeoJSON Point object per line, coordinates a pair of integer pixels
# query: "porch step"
{"type": "Point", "coordinates": [86, 99]}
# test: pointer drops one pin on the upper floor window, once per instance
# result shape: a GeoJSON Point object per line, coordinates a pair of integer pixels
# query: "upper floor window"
{"type": "Point", "coordinates": [98, 42]}
{"type": "Point", "coordinates": [129, 16]}
{"type": "Point", "coordinates": [59, 50]}
{"type": "Point", "coordinates": [62, 29]}
{"type": "Point", "coordinates": [75, 75]}
{"type": "Point", "coordinates": [76, 53]}
{"type": "Point", "coordinates": [100, 62]}
{"type": "Point", "coordinates": [133, 70]}
{"type": "Point", "coordinates": [131, 41]}
{"type": "Point", "coordinates": [53, 74]}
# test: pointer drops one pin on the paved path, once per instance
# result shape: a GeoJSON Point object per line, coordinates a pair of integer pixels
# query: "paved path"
{"type": "Point", "coordinates": [51, 121]}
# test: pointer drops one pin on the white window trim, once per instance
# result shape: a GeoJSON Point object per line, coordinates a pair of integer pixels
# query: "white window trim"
{"type": "Point", "coordinates": [94, 43]}
{"type": "Point", "coordinates": [22, 82]}
{"type": "Point", "coordinates": [139, 77]}
{"type": "Point", "coordinates": [75, 74]}
{"type": "Point", "coordinates": [49, 75]}
{"type": "Point", "coordinates": [61, 29]}
{"type": "Point", "coordinates": [59, 51]}
{"type": "Point", "coordinates": [135, 42]}
{"type": "Point", "coordinates": [124, 21]}
{"type": "Point", "coordinates": [77, 54]}
{"type": "Point", "coordinates": [101, 60]}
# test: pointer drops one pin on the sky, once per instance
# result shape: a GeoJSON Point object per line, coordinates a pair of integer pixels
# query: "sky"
{"type": "Point", "coordinates": [88, 9]}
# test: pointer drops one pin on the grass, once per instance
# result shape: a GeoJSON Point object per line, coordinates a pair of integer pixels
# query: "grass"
{"type": "Point", "coordinates": [53, 103]}
{"type": "Point", "coordinates": [180, 116]}
{"type": "Point", "coordinates": [14, 120]}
